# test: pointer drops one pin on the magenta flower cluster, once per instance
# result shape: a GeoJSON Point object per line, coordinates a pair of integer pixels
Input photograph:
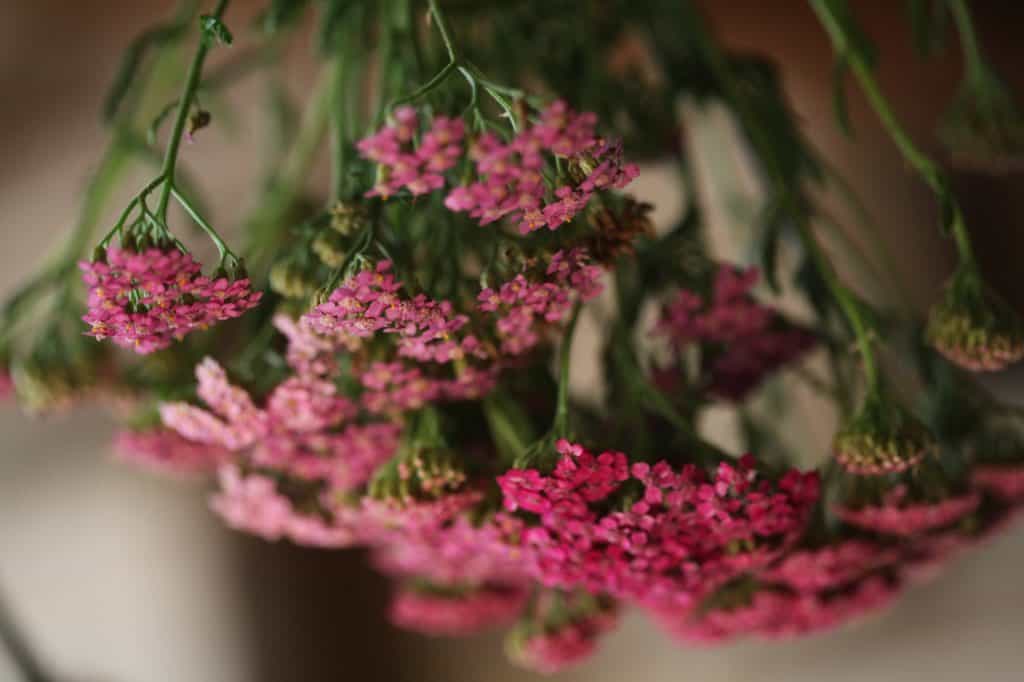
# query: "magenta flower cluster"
{"type": "Point", "coordinates": [147, 300]}
{"type": "Point", "coordinates": [743, 340]}
{"type": "Point", "coordinates": [686, 535]}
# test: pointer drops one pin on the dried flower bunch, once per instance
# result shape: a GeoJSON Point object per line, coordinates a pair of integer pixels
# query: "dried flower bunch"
{"type": "Point", "coordinates": [390, 365]}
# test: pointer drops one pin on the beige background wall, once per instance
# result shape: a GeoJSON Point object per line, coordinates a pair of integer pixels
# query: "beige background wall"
{"type": "Point", "coordinates": [119, 576]}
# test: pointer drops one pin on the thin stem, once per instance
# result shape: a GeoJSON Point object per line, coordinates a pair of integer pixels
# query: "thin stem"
{"type": "Point", "coordinates": [973, 61]}
{"type": "Point", "coordinates": [339, 125]}
{"type": "Point", "coordinates": [222, 248]}
{"type": "Point", "coordinates": [442, 28]}
{"type": "Point", "coordinates": [849, 305]}
{"type": "Point", "coordinates": [927, 168]}
{"type": "Point", "coordinates": [188, 95]}
{"type": "Point", "coordinates": [561, 424]}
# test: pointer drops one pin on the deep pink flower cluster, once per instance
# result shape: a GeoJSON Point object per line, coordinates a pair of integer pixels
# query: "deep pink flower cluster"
{"type": "Point", "coordinates": [686, 535]}
{"type": "Point", "coordinates": [167, 452]}
{"type": "Point", "coordinates": [6, 384]}
{"type": "Point", "coordinates": [549, 642]}
{"type": "Point", "coordinates": [1004, 481]}
{"type": "Point", "coordinates": [461, 613]}
{"type": "Point", "coordinates": [776, 613]}
{"type": "Point", "coordinates": [831, 566]}
{"type": "Point", "coordinates": [899, 514]}
{"type": "Point", "coordinates": [523, 305]}
{"type": "Point", "coordinates": [146, 300]}
{"type": "Point", "coordinates": [510, 176]}
{"type": "Point", "coordinates": [410, 163]}
{"type": "Point", "coordinates": [743, 340]}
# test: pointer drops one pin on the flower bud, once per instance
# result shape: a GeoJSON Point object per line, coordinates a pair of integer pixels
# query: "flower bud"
{"type": "Point", "coordinates": [882, 438]}
{"type": "Point", "coordinates": [348, 217]}
{"type": "Point", "coordinates": [291, 280]}
{"type": "Point", "coordinates": [973, 327]}
{"type": "Point", "coordinates": [329, 246]}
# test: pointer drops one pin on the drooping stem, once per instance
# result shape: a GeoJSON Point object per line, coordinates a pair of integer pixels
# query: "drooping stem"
{"type": "Point", "coordinates": [184, 106]}
{"type": "Point", "coordinates": [973, 61]}
{"type": "Point", "coordinates": [838, 31]}
{"type": "Point", "coordinates": [560, 428]}
{"type": "Point", "coordinates": [847, 303]}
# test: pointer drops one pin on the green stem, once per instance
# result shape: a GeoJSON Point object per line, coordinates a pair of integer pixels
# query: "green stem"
{"type": "Point", "coordinates": [339, 125]}
{"type": "Point", "coordinates": [222, 248]}
{"type": "Point", "coordinates": [927, 168]}
{"type": "Point", "coordinates": [849, 305]}
{"type": "Point", "coordinates": [560, 428]}
{"type": "Point", "coordinates": [188, 94]}
{"type": "Point", "coordinates": [975, 64]}
{"type": "Point", "coordinates": [442, 28]}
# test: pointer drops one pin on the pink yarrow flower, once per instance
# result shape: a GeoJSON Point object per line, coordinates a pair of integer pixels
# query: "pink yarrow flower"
{"type": "Point", "coordinates": [166, 452]}
{"type": "Point", "coordinates": [147, 300]}
{"type": "Point", "coordinates": [456, 613]}
{"type": "Point", "coordinates": [899, 514]}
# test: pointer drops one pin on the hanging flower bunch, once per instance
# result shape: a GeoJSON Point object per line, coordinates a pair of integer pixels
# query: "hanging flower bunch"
{"type": "Point", "coordinates": [390, 366]}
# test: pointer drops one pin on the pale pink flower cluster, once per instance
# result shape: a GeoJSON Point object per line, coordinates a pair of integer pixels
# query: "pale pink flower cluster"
{"type": "Point", "coordinates": [251, 503]}
{"type": "Point", "coordinates": [165, 451]}
{"type": "Point", "coordinates": [408, 161]}
{"type": "Point", "coordinates": [147, 300]}
{"type": "Point", "coordinates": [687, 534]}
{"type": "Point", "coordinates": [510, 176]}
{"type": "Point", "coordinates": [523, 307]}
{"type": "Point", "coordinates": [742, 341]}
{"type": "Point", "coordinates": [300, 430]}
{"type": "Point", "coordinates": [456, 614]}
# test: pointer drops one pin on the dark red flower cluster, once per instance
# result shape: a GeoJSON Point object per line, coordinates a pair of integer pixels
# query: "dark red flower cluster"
{"type": "Point", "coordinates": [741, 340]}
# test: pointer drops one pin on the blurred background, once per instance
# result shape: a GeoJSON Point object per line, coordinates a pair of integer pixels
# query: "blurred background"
{"type": "Point", "coordinates": [114, 575]}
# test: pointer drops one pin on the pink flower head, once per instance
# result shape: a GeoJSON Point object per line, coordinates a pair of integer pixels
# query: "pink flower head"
{"type": "Point", "coordinates": [510, 181]}
{"type": "Point", "coordinates": [165, 451]}
{"type": "Point", "coordinates": [523, 308]}
{"type": "Point", "coordinates": [404, 164]}
{"type": "Point", "coordinates": [146, 300]}
{"type": "Point", "coordinates": [455, 612]}
{"type": "Point", "coordinates": [1004, 481]}
{"type": "Point", "coordinates": [899, 514]}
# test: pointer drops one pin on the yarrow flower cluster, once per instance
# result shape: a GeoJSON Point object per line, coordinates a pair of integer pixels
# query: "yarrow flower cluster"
{"type": "Point", "coordinates": [686, 534]}
{"type": "Point", "coordinates": [165, 451]}
{"type": "Point", "coordinates": [510, 176]}
{"type": "Point", "coordinates": [395, 395]}
{"type": "Point", "coordinates": [741, 341]}
{"type": "Point", "coordinates": [522, 306]}
{"type": "Point", "coordinates": [455, 612]}
{"type": "Point", "coordinates": [409, 161]}
{"type": "Point", "coordinates": [146, 300]}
